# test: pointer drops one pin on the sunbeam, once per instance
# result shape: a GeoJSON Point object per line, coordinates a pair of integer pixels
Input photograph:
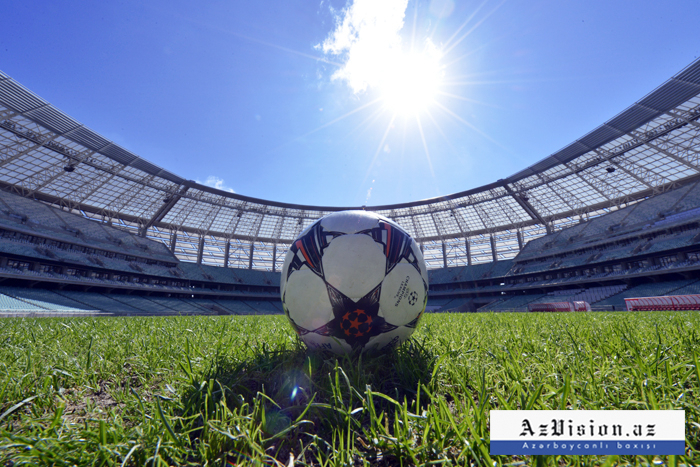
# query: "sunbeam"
{"type": "Point", "coordinates": [439, 129]}
{"type": "Point", "coordinates": [325, 125]}
{"type": "Point", "coordinates": [466, 99]}
{"type": "Point", "coordinates": [379, 148]}
{"type": "Point", "coordinates": [191, 20]}
{"type": "Point", "coordinates": [365, 125]}
{"type": "Point", "coordinates": [336, 120]}
{"type": "Point", "coordinates": [427, 153]}
{"type": "Point", "coordinates": [415, 24]}
{"type": "Point", "coordinates": [483, 45]}
{"type": "Point", "coordinates": [460, 119]}
{"type": "Point", "coordinates": [482, 83]}
{"type": "Point", "coordinates": [481, 21]}
{"type": "Point", "coordinates": [465, 22]}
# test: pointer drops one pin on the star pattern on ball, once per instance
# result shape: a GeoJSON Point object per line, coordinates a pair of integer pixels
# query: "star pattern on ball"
{"type": "Point", "coordinates": [355, 322]}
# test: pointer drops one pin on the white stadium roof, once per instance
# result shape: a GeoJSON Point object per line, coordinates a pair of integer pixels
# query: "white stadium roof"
{"type": "Point", "coordinates": [651, 147]}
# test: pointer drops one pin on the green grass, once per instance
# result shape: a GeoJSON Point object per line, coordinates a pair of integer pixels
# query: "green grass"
{"type": "Point", "coordinates": [242, 390]}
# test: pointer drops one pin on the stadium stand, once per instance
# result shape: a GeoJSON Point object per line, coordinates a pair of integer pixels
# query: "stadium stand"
{"type": "Point", "coordinates": [638, 249]}
{"type": "Point", "coordinates": [613, 215]}
{"type": "Point", "coordinates": [81, 263]}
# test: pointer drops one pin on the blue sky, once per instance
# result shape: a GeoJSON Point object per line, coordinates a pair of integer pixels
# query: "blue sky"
{"type": "Point", "coordinates": [262, 97]}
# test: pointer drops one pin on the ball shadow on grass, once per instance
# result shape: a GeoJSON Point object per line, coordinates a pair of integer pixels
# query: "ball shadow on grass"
{"type": "Point", "coordinates": [301, 398]}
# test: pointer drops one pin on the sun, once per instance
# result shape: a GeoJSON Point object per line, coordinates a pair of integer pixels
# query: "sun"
{"type": "Point", "coordinates": [410, 81]}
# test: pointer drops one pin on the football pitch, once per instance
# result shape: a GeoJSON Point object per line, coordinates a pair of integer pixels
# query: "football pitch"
{"type": "Point", "coordinates": [243, 391]}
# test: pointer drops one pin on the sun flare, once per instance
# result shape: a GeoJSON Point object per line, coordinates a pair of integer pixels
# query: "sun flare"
{"type": "Point", "coordinates": [410, 82]}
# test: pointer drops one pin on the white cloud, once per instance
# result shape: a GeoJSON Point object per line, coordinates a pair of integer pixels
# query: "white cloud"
{"type": "Point", "coordinates": [216, 182]}
{"type": "Point", "coordinates": [367, 37]}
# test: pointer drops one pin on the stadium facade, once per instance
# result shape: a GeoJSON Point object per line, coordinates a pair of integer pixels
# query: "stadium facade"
{"type": "Point", "coordinates": [82, 215]}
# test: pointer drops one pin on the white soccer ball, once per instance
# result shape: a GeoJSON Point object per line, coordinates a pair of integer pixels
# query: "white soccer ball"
{"type": "Point", "coordinates": [354, 280]}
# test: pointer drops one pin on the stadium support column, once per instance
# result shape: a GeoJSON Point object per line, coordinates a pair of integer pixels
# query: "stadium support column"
{"type": "Point", "coordinates": [444, 255]}
{"type": "Point", "coordinates": [468, 246]}
{"type": "Point", "coordinates": [250, 260]}
{"type": "Point", "coordinates": [494, 253]}
{"type": "Point", "coordinates": [520, 240]}
{"type": "Point", "coordinates": [173, 242]}
{"type": "Point", "coordinates": [274, 256]}
{"type": "Point", "coordinates": [227, 252]}
{"type": "Point", "coordinates": [200, 250]}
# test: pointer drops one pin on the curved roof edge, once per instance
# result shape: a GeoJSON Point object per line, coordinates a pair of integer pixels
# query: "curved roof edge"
{"type": "Point", "coordinates": [668, 95]}
{"type": "Point", "coordinates": [679, 88]}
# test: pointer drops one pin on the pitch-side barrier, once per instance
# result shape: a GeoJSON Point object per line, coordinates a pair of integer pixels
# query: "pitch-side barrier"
{"type": "Point", "coordinates": [576, 305]}
{"type": "Point", "coordinates": [670, 302]}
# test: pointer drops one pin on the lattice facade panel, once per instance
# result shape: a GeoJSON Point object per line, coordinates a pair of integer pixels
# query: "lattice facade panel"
{"type": "Point", "coordinates": [406, 223]}
{"type": "Point", "coordinates": [179, 213]}
{"type": "Point", "coordinates": [617, 184]}
{"type": "Point", "coordinates": [32, 174]}
{"type": "Point", "coordinates": [239, 254]}
{"type": "Point", "coordinates": [513, 211]}
{"type": "Point", "coordinates": [471, 219]}
{"type": "Point", "coordinates": [267, 226]}
{"type": "Point", "coordinates": [432, 253]}
{"type": "Point", "coordinates": [426, 225]}
{"type": "Point", "coordinates": [282, 249]}
{"type": "Point", "coordinates": [224, 221]}
{"type": "Point", "coordinates": [262, 255]}
{"type": "Point", "coordinates": [291, 227]}
{"type": "Point", "coordinates": [574, 195]}
{"type": "Point", "coordinates": [507, 245]}
{"type": "Point", "coordinates": [77, 186]}
{"type": "Point", "coordinates": [142, 202]}
{"type": "Point", "coordinates": [683, 144]}
{"type": "Point", "coordinates": [490, 215]}
{"type": "Point", "coordinates": [456, 251]}
{"type": "Point", "coordinates": [104, 198]}
{"type": "Point", "coordinates": [187, 247]}
{"type": "Point", "coordinates": [163, 236]}
{"type": "Point", "coordinates": [546, 201]}
{"type": "Point", "coordinates": [213, 252]}
{"type": "Point", "coordinates": [480, 247]}
{"type": "Point", "coordinates": [249, 225]}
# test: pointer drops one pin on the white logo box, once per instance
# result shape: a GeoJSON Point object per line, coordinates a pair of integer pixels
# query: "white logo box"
{"type": "Point", "coordinates": [537, 432]}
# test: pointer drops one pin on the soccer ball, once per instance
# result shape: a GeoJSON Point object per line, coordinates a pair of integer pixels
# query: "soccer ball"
{"type": "Point", "coordinates": [354, 280]}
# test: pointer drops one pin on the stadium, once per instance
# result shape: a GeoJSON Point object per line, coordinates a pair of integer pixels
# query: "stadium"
{"type": "Point", "coordinates": [89, 227]}
{"type": "Point", "coordinates": [92, 233]}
